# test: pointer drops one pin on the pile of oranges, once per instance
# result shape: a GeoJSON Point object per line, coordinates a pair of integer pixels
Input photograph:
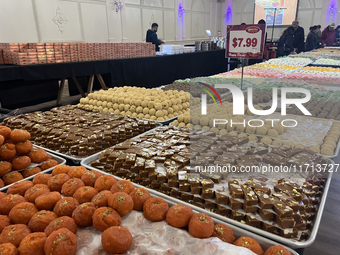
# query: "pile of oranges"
{"type": "Point", "coordinates": [17, 153]}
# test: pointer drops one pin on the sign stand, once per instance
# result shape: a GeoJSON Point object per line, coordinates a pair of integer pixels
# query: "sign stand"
{"type": "Point", "coordinates": [242, 73]}
{"type": "Point", "coordinates": [275, 12]}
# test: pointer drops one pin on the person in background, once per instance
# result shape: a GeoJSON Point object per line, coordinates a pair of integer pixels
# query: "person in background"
{"type": "Point", "coordinates": [298, 37]}
{"type": "Point", "coordinates": [312, 40]}
{"type": "Point", "coordinates": [328, 36]}
{"type": "Point", "coordinates": [255, 61]}
{"type": "Point", "coordinates": [337, 35]}
{"type": "Point", "coordinates": [318, 35]}
{"type": "Point", "coordinates": [262, 21]}
{"type": "Point", "coordinates": [151, 36]}
{"type": "Point", "coordinates": [286, 42]}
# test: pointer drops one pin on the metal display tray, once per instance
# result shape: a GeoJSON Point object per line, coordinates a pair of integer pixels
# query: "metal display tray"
{"type": "Point", "coordinates": [323, 65]}
{"type": "Point", "coordinates": [76, 159]}
{"type": "Point", "coordinates": [238, 232]}
{"type": "Point", "coordinates": [288, 242]}
{"type": "Point", "coordinates": [61, 161]}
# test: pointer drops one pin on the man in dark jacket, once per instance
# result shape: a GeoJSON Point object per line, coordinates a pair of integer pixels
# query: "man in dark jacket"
{"type": "Point", "coordinates": [151, 36]}
{"type": "Point", "coordinates": [298, 37]}
{"type": "Point", "coordinates": [328, 36]}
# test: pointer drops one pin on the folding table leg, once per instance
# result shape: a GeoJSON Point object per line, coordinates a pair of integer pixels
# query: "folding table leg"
{"type": "Point", "coordinates": [60, 92]}
{"type": "Point", "coordinates": [90, 86]}
{"type": "Point", "coordinates": [78, 86]}
{"type": "Point", "coordinates": [101, 81]}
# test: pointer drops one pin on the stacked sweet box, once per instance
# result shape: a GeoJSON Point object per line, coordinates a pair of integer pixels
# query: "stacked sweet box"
{"type": "Point", "coordinates": [84, 52]}
{"type": "Point", "coordinates": [1, 58]}
{"type": "Point", "coordinates": [46, 53]}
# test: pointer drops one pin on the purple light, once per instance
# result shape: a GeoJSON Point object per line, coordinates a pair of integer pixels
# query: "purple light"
{"type": "Point", "coordinates": [229, 16]}
{"type": "Point", "coordinates": [332, 10]}
{"type": "Point", "coordinates": [181, 10]}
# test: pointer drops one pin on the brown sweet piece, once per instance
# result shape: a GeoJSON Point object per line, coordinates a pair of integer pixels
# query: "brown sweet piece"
{"type": "Point", "coordinates": [85, 194]}
{"type": "Point", "coordinates": [266, 215]}
{"type": "Point", "coordinates": [38, 155]}
{"type": "Point", "coordinates": [37, 190]}
{"type": "Point", "coordinates": [237, 216]}
{"type": "Point", "coordinates": [23, 147]}
{"type": "Point", "coordinates": [66, 206]}
{"type": "Point", "coordinates": [12, 177]}
{"type": "Point", "coordinates": [116, 240]}
{"type": "Point", "coordinates": [270, 228]}
{"type": "Point", "coordinates": [49, 164]}
{"type": "Point", "coordinates": [101, 199]}
{"type": "Point", "coordinates": [201, 225]}
{"type": "Point", "coordinates": [20, 135]}
{"type": "Point", "coordinates": [70, 187]}
{"type": "Point", "coordinates": [7, 151]}
{"type": "Point", "coordinates": [208, 194]}
{"type": "Point", "coordinates": [250, 244]}
{"type": "Point", "coordinates": [14, 234]}
{"type": "Point", "coordinates": [61, 222]}
{"type": "Point", "coordinates": [9, 201]}
{"type": "Point", "coordinates": [105, 217]}
{"type": "Point", "coordinates": [4, 222]}
{"type": "Point", "coordinates": [223, 211]}
{"type": "Point", "coordinates": [61, 242]}
{"type": "Point", "coordinates": [5, 132]}
{"type": "Point", "coordinates": [155, 209]}
{"type": "Point", "coordinates": [250, 197]}
{"type": "Point", "coordinates": [22, 213]}
{"type": "Point", "coordinates": [139, 196]}
{"type": "Point", "coordinates": [235, 204]}
{"type": "Point", "coordinates": [235, 189]}
{"type": "Point", "coordinates": [2, 184]}
{"type": "Point", "coordinates": [21, 162]}
{"type": "Point", "coordinates": [287, 222]}
{"type": "Point", "coordinates": [57, 181]}
{"type": "Point", "coordinates": [249, 208]}
{"type": "Point", "coordinates": [122, 186]}
{"type": "Point", "coordinates": [224, 233]}
{"type": "Point", "coordinates": [104, 182]}
{"type": "Point", "coordinates": [277, 249]}
{"type": "Point", "coordinates": [47, 201]}
{"type": "Point", "coordinates": [42, 178]}
{"type": "Point", "coordinates": [31, 171]}
{"type": "Point", "coordinates": [265, 201]}
{"type": "Point", "coordinates": [19, 188]}
{"type": "Point", "coordinates": [89, 178]}
{"type": "Point", "coordinates": [179, 216]}
{"type": "Point", "coordinates": [2, 195]}
{"type": "Point", "coordinates": [252, 221]}
{"type": "Point", "coordinates": [8, 249]}
{"type": "Point", "coordinates": [62, 169]}
{"type": "Point", "coordinates": [82, 215]}
{"type": "Point", "coordinates": [282, 210]}
{"type": "Point", "coordinates": [33, 244]}
{"type": "Point", "coordinates": [41, 220]}
{"type": "Point", "coordinates": [77, 172]}
{"type": "Point", "coordinates": [221, 198]}
{"type": "Point", "coordinates": [5, 167]}
{"type": "Point", "coordinates": [121, 202]}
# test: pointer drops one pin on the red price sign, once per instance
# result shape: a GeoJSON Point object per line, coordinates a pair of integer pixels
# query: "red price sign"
{"type": "Point", "coordinates": [245, 41]}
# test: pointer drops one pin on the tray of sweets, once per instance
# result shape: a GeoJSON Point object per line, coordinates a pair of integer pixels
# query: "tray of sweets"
{"type": "Point", "coordinates": [296, 229]}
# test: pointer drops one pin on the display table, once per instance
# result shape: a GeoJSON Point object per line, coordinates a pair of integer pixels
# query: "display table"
{"type": "Point", "coordinates": [145, 72]}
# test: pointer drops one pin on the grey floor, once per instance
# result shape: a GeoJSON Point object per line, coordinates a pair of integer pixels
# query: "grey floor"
{"type": "Point", "coordinates": [327, 240]}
